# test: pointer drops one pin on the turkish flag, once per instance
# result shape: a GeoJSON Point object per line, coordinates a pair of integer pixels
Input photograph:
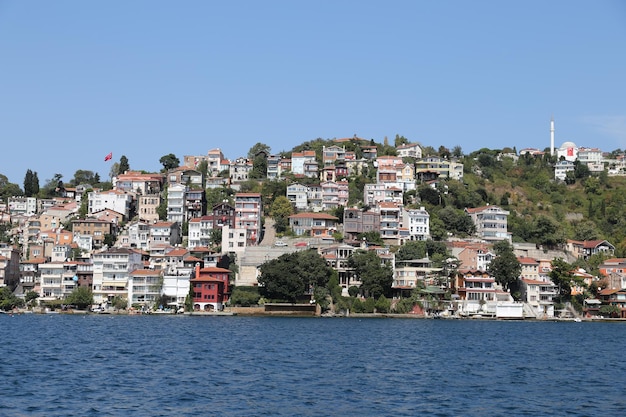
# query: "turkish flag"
{"type": "Point", "coordinates": [108, 157]}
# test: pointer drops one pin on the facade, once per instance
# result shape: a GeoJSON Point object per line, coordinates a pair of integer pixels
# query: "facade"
{"type": "Point", "coordinates": [176, 208]}
{"type": "Point", "coordinates": [164, 233]}
{"type": "Point", "coordinates": [410, 150]}
{"type": "Point", "coordinates": [147, 206]}
{"type": "Point", "coordinates": [211, 288]}
{"type": "Point", "coordinates": [9, 266]}
{"type": "Point", "coordinates": [337, 256]}
{"type": "Point", "coordinates": [94, 228]}
{"type": "Point", "coordinates": [585, 249]}
{"type": "Point", "coordinates": [410, 274]}
{"type": "Point", "coordinates": [304, 163]}
{"type": "Point", "coordinates": [240, 169]}
{"type": "Point", "coordinates": [137, 183]}
{"type": "Point", "coordinates": [248, 215]}
{"type": "Point", "coordinates": [443, 167]}
{"type": "Point", "coordinates": [373, 194]}
{"type": "Point", "coordinates": [561, 169]}
{"type": "Point", "coordinates": [490, 222]}
{"type": "Point", "coordinates": [58, 280]}
{"type": "Point", "coordinates": [356, 222]}
{"type": "Point", "coordinates": [297, 195]}
{"type": "Point", "coordinates": [319, 225]}
{"type": "Point", "coordinates": [417, 221]}
{"type": "Point", "coordinates": [111, 271]}
{"type": "Point", "coordinates": [119, 201]}
{"type": "Point", "coordinates": [144, 287]}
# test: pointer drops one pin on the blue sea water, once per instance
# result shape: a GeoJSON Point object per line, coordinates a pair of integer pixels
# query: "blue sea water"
{"type": "Point", "coordinates": [94, 365]}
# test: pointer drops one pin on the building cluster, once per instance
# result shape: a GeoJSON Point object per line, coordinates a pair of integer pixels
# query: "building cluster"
{"type": "Point", "coordinates": [121, 248]}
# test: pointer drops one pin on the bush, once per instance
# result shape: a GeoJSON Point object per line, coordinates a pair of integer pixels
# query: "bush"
{"type": "Point", "coordinates": [245, 296]}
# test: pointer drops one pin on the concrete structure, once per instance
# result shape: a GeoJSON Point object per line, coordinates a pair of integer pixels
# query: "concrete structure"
{"type": "Point", "coordinates": [490, 222]}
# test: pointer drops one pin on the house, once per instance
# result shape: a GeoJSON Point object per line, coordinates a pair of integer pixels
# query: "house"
{"type": "Point", "coordinates": [586, 248]}
{"type": "Point", "coordinates": [57, 280]}
{"type": "Point", "coordinates": [176, 207]}
{"type": "Point", "coordinates": [139, 183]}
{"type": "Point", "coordinates": [561, 169]}
{"type": "Point", "coordinates": [144, 287]}
{"type": "Point", "coordinates": [98, 230]}
{"type": "Point", "coordinates": [490, 222]}
{"type": "Point", "coordinates": [476, 291]}
{"type": "Point", "coordinates": [444, 167]}
{"type": "Point", "coordinates": [111, 269]}
{"type": "Point", "coordinates": [118, 201]}
{"type": "Point", "coordinates": [357, 221]}
{"type": "Point", "coordinates": [473, 255]}
{"type": "Point", "coordinates": [410, 274]}
{"type": "Point", "coordinates": [9, 266]}
{"type": "Point", "coordinates": [210, 288]}
{"type": "Point", "coordinates": [614, 297]}
{"type": "Point", "coordinates": [319, 225]}
{"type": "Point", "coordinates": [165, 233]}
{"type": "Point", "coordinates": [417, 221]}
{"type": "Point", "coordinates": [337, 256]}
{"type": "Point", "coordinates": [539, 295]}
{"type": "Point", "coordinates": [409, 150]}
{"type": "Point", "coordinates": [248, 215]}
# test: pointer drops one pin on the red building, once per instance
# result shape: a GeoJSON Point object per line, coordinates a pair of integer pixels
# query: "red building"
{"type": "Point", "coordinates": [210, 288]}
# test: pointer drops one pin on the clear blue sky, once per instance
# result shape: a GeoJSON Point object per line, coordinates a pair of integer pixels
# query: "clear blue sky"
{"type": "Point", "coordinates": [145, 78]}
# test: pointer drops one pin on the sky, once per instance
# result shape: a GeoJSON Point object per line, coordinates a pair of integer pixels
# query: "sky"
{"type": "Point", "coordinates": [148, 78]}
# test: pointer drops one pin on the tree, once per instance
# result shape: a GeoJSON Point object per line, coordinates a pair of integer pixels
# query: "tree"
{"type": "Point", "coordinates": [400, 140]}
{"type": "Point", "coordinates": [169, 162]}
{"type": "Point", "coordinates": [257, 149]}
{"type": "Point", "coordinates": [30, 297]}
{"type": "Point", "coordinates": [280, 212]}
{"type": "Point", "coordinates": [123, 166]}
{"type": "Point", "coordinates": [84, 177]}
{"type": "Point", "coordinates": [505, 268]}
{"type": "Point", "coordinates": [293, 275]}
{"type": "Point", "coordinates": [31, 184]}
{"type": "Point", "coordinates": [376, 277]}
{"type": "Point", "coordinates": [411, 250]}
{"type": "Point", "coordinates": [561, 275]}
{"type": "Point", "coordinates": [8, 300]}
{"type": "Point", "coordinates": [50, 187]}
{"type": "Point", "coordinates": [81, 297]}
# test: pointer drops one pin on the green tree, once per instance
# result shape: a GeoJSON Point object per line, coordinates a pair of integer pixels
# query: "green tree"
{"type": "Point", "coordinates": [81, 297]}
{"type": "Point", "coordinates": [8, 300]}
{"type": "Point", "coordinates": [375, 275]}
{"type": "Point", "coordinates": [258, 148]}
{"type": "Point", "coordinates": [30, 298]}
{"type": "Point", "coordinates": [83, 177]}
{"type": "Point", "coordinates": [561, 276]}
{"type": "Point", "coordinates": [505, 268]}
{"type": "Point", "coordinates": [383, 305]}
{"type": "Point", "coordinates": [293, 275]}
{"type": "Point", "coordinates": [31, 184]}
{"type": "Point", "coordinates": [280, 212]}
{"type": "Point", "coordinates": [245, 296]}
{"type": "Point", "coordinates": [169, 162]}
{"type": "Point", "coordinates": [123, 165]}
{"type": "Point", "coordinates": [411, 250]}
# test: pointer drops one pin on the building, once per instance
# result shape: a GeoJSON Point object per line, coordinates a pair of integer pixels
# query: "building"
{"type": "Point", "coordinates": [248, 216]}
{"type": "Point", "coordinates": [409, 150]}
{"type": "Point", "coordinates": [96, 229]}
{"type": "Point", "coordinates": [441, 166]}
{"type": "Point", "coordinates": [585, 249]}
{"type": "Point", "coordinates": [211, 288]}
{"type": "Point", "coordinates": [176, 207]}
{"type": "Point", "coordinates": [490, 222]}
{"type": "Point", "coordinates": [111, 270]}
{"type": "Point", "coordinates": [417, 221]}
{"type": "Point", "coordinates": [356, 222]}
{"type": "Point", "coordinates": [144, 287]}
{"type": "Point", "coordinates": [319, 225]}
{"type": "Point", "coordinates": [119, 201]}
{"type": "Point", "coordinates": [561, 169]}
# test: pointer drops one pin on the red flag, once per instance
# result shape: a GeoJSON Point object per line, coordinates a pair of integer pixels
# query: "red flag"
{"type": "Point", "coordinates": [109, 156]}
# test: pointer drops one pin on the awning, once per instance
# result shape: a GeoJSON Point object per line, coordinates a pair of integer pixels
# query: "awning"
{"type": "Point", "coordinates": [593, 301]}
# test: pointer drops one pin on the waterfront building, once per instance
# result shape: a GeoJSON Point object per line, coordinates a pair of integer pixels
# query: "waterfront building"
{"type": "Point", "coordinates": [211, 289]}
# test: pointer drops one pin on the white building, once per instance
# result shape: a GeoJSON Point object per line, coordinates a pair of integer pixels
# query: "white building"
{"type": "Point", "coordinates": [57, 280]}
{"type": "Point", "coordinates": [417, 221]}
{"type": "Point", "coordinates": [119, 201]}
{"type": "Point", "coordinates": [490, 222]}
{"type": "Point", "coordinates": [111, 270]}
{"type": "Point", "coordinates": [561, 169]}
{"type": "Point", "coordinates": [176, 203]}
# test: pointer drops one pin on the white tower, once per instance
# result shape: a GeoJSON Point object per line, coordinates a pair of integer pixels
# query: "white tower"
{"type": "Point", "coordinates": [552, 136]}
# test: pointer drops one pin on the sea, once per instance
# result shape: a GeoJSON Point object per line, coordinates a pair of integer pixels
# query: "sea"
{"type": "Point", "coordinates": [114, 365]}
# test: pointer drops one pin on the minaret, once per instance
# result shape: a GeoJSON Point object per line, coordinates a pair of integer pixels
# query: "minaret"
{"type": "Point", "coordinates": [552, 136]}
